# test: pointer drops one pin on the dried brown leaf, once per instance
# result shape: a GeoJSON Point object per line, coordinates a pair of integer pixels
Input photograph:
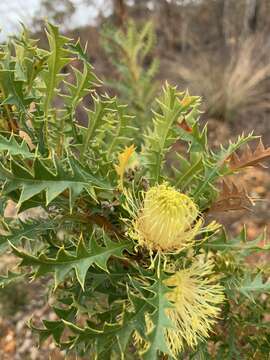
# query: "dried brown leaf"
{"type": "Point", "coordinates": [184, 125]}
{"type": "Point", "coordinates": [249, 158]}
{"type": "Point", "coordinates": [232, 197]}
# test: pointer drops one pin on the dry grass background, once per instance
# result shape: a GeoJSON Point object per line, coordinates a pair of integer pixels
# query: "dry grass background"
{"type": "Point", "coordinates": [234, 83]}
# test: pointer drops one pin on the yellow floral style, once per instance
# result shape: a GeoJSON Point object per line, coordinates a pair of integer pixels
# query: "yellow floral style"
{"type": "Point", "coordinates": [196, 300]}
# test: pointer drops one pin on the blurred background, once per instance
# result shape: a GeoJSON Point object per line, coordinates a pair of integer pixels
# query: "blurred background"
{"type": "Point", "coordinates": [218, 49]}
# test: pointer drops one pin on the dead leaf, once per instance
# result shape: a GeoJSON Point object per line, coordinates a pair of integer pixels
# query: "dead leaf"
{"type": "Point", "coordinates": [184, 125]}
{"type": "Point", "coordinates": [232, 197]}
{"type": "Point", "coordinates": [32, 107]}
{"type": "Point", "coordinates": [23, 135]}
{"type": "Point", "coordinates": [249, 158]}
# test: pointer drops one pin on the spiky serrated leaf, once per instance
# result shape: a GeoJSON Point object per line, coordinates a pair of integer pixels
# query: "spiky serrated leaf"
{"type": "Point", "coordinates": [29, 230]}
{"type": "Point", "coordinates": [249, 158]}
{"type": "Point", "coordinates": [164, 134]}
{"type": "Point", "coordinates": [156, 338]}
{"type": "Point", "coordinates": [58, 57]}
{"type": "Point", "coordinates": [75, 179]}
{"type": "Point", "coordinates": [15, 148]}
{"type": "Point", "coordinates": [250, 286]}
{"type": "Point", "coordinates": [83, 84]}
{"type": "Point", "coordinates": [12, 89]}
{"type": "Point", "coordinates": [231, 197]}
{"type": "Point", "coordinates": [214, 167]}
{"type": "Point", "coordinates": [10, 277]}
{"type": "Point", "coordinates": [52, 328]}
{"type": "Point", "coordinates": [109, 127]}
{"type": "Point", "coordinates": [185, 175]}
{"type": "Point", "coordinates": [79, 261]}
{"type": "Point", "coordinates": [240, 244]}
{"type": "Point", "coordinates": [138, 86]}
{"type": "Point", "coordinates": [133, 321]}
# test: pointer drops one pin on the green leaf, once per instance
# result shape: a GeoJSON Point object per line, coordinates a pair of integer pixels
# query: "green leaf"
{"type": "Point", "coordinates": [95, 121]}
{"type": "Point", "coordinates": [83, 84]}
{"type": "Point", "coordinates": [53, 328]}
{"type": "Point", "coordinates": [239, 244]}
{"type": "Point", "coordinates": [129, 52]}
{"type": "Point", "coordinates": [25, 51]}
{"type": "Point", "coordinates": [215, 165]}
{"type": "Point", "coordinates": [11, 277]}
{"type": "Point", "coordinates": [75, 180]}
{"type": "Point", "coordinates": [133, 321]}
{"type": "Point", "coordinates": [185, 177]}
{"type": "Point", "coordinates": [84, 80]}
{"type": "Point", "coordinates": [156, 338]}
{"type": "Point", "coordinates": [14, 148]}
{"type": "Point", "coordinates": [58, 57]}
{"type": "Point", "coordinates": [95, 339]}
{"type": "Point", "coordinates": [29, 230]}
{"type": "Point", "coordinates": [80, 261]}
{"type": "Point", "coordinates": [118, 128]}
{"type": "Point", "coordinates": [109, 127]}
{"type": "Point", "coordinates": [56, 328]}
{"type": "Point", "coordinates": [159, 141]}
{"type": "Point", "coordinates": [251, 286]}
{"type": "Point", "coordinates": [11, 89]}
{"type": "Point", "coordinates": [201, 353]}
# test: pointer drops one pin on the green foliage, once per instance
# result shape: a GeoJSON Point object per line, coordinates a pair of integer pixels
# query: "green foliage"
{"type": "Point", "coordinates": [65, 261]}
{"type": "Point", "coordinates": [110, 297]}
{"type": "Point", "coordinates": [250, 286]}
{"type": "Point", "coordinates": [75, 180]}
{"type": "Point", "coordinates": [156, 337]}
{"type": "Point", "coordinates": [9, 278]}
{"type": "Point", "coordinates": [129, 51]}
{"type": "Point", "coordinates": [14, 148]}
{"type": "Point", "coordinates": [25, 231]}
{"type": "Point", "coordinates": [159, 141]}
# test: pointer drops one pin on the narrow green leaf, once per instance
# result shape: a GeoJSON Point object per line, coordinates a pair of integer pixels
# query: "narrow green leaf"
{"type": "Point", "coordinates": [58, 57]}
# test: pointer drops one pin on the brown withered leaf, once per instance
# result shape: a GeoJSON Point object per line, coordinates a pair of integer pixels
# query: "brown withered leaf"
{"type": "Point", "coordinates": [232, 197]}
{"type": "Point", "coordinates": [184, 125]}
{"type": "Point", "coordinates": [249, 157]}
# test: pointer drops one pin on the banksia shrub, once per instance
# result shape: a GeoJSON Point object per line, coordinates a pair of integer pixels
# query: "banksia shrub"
{"type": "Point", "coordinates": [135, 269]}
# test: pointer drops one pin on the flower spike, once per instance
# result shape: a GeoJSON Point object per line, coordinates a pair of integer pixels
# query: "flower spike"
{"type": "Point", "coordinates": [197, 301]}
{"type": "Point", "coordinates": [168, 220]}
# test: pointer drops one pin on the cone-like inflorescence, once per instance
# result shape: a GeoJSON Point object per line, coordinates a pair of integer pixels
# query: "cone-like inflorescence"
{"type": "Point", "coordinates": [168, 220]}
{"type": "Point", "coordinates": [196, 300]}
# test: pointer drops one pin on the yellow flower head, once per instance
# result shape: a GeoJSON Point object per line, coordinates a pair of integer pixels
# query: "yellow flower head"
{"type": "Point", "coordinates": [168, 220]}
{"type": "Point", "coordinates": [196, 302]}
